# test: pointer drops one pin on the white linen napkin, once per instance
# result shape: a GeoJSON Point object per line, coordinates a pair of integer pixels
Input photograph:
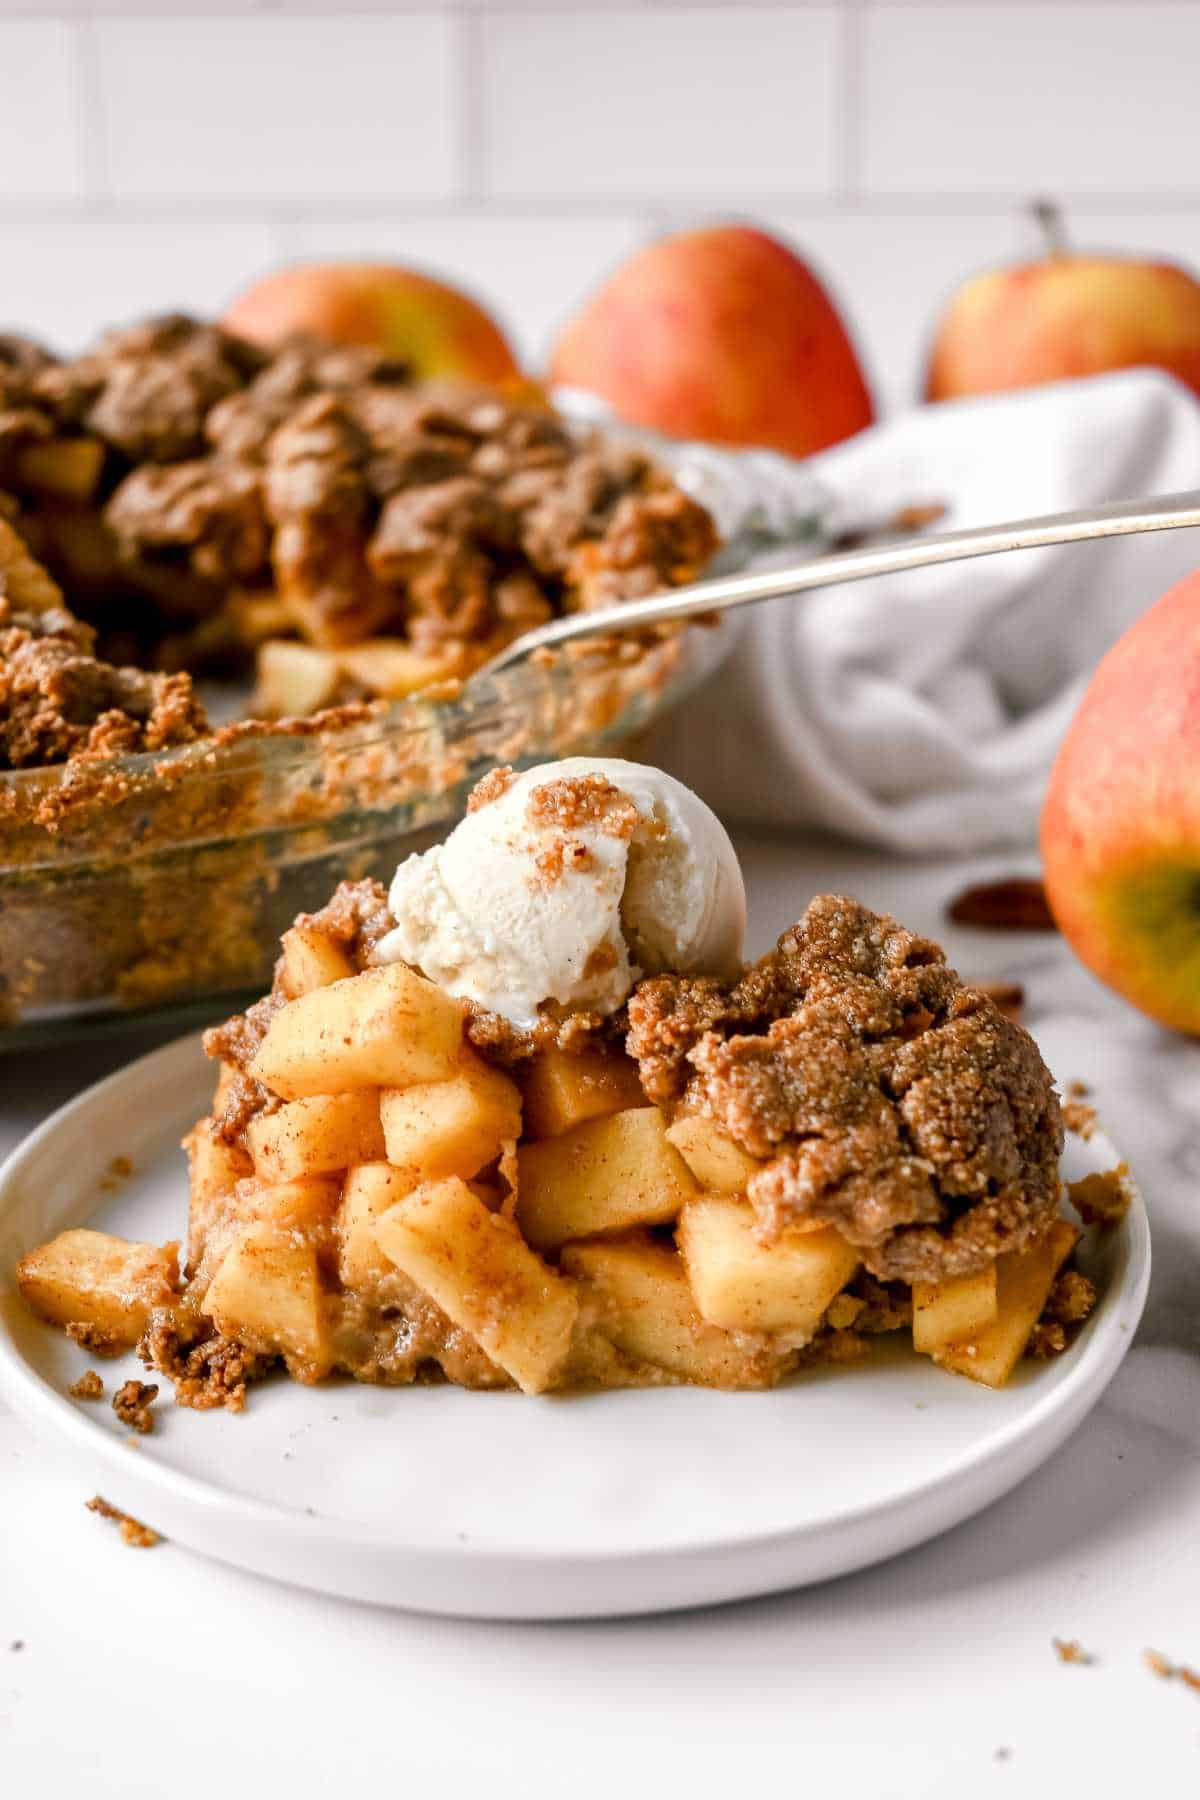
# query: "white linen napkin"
{"type": "Point", "coordinates": [922, 711]}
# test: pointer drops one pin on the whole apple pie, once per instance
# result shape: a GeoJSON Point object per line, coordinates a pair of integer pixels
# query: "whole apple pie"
{"type": "Point", "coordinates": [529, 1120]}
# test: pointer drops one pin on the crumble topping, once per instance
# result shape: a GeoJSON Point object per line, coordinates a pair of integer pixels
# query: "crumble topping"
{"type": "Point", "coordinates": [1102, 1198]}
{"type": "Point", "coordinates": [93, 1339]}
{"type": "Point", "coordinates": [207, 1370]}
{"type": "Point", "coordinates": [884, 1096]}
{"type": "Point", "coordinates": [574, 801]}
{"type": "Point", "coordinates": [59, 701]}
{"type": "Point", "coordinates": [88, 1387]}
{"type": "Point", "coordinates": [177, 469]}
{"type": "Point", "coordinates": [132, 1403]}
{"type": "Point", "coordinates": [492, 787]}
{"type": "Point", "coordinates": [1080, 1118]}
{"type": "Point", "coordinates": [1070, 1302]}
{"type": "Point", "coordinates": [133, 1532]}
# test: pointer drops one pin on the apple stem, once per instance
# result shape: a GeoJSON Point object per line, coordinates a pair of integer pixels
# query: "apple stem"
{"type": "Point", "coordinates": [1049, 216]}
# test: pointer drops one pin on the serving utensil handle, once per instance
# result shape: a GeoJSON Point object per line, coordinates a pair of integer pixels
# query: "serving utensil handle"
{"type": "Point", "coordinates": [1121, 518]}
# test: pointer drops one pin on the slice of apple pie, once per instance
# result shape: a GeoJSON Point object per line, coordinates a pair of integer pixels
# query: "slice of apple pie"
{"type": "Point", "coordinates": [530, 1121]}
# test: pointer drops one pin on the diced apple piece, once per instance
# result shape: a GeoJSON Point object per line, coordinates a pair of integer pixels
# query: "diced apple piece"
{"type": "Point", "coordinates": [744, 1285]}
{"type": "Point", "coordinates": [475, 1265]}
{"type": "Point", "coordinates": [106, 1283]}
{"type": "Point", "coordinates": [1023, 1282]}
{"type": "Point", "coordinates": [948, 1312]}
{"type": "Point", "coordinates": [563, 1089]}
{"type": "Point", "coordinates": [392, 668]}
{"type": "Point", "coordinates": [316, 1136]}
{"type": "Point", "coordinates": [68, 468]}
{"type": "Point", "coordinates": [438, 1128]}
{"type": "Point", "coordinates": [293, 679]}
{"type": "Point", "coordinates": [384, 1028]}
{"type": "Point", "coordinates": [214, 1169]}
{"type": "Point", "coordinates": [370, 1190]}
{"type": "Point", "coordinates": [214, 1166]}
{"type": "Point", "coordinates": [303, 1204]}
{"type": "Point", "coordinates": [649, 1313]}
{"type": "Point", "coordinates": [718, 1164]}
{"type": "Point", "coordinates": [267, 1295]}
{"type": "Point", "coordinates": [605, 1175]}
{"type": "Point", "coordinates": [311, 959]}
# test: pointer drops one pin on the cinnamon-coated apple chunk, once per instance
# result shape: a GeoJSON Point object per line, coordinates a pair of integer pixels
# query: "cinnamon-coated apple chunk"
{"type": "Point", "coordinates": [605, 1175]}
{"type": "Point", "coordinates": [563, 1088]}
{"type": "Point", "coordinates": [371, 1189]}
{"type": "Point", "coordinates": [316, 1135]}
{"type": "Point", "coordinates": [215, 1168]}
{"type": "Point", "coordinates": [947, 1312]}
{"type": "Point", "coordinates": [105, 1283]}
{"type": "Point", "coordinates": [455, 1127]}
{"type": "Point", "coordinates": [1023, 1282]}
{"type": "Point", "coordinates": [744, 1285]}
{"type": "Point", "coordinates": [311, 959]}
{"type": "Point", "coordinates": [476, 1266]}
{"type": "Point", "coordinates": [267, 1295]}
{"type": "Point", "coordinates": [384, 1028]}
{"type": "Point", "coordinates": [719, 1165]}
{"type": "Point", "coordinates": [293, 680]}
{"type": "Point", "coordinates": [646, 1308]}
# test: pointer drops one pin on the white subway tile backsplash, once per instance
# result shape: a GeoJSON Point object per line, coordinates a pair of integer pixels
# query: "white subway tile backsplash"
{"type": "Point", "coordinates": [690, 102]}
{"type": "Point", "coordinates": [161, 152]}
{"type": "Point", "coordinates": [529, 272]}
{"type": "Point", "coordinates": [41, 145]}
{"type": "Point", "coordinates": [294, 109]}
{"type": "Point", "coordinates": [64, 281]}
{"type": "Point", "coordinates": [999, 99]}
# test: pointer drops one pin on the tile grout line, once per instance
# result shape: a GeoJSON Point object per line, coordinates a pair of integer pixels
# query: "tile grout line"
{"type": "Point", "coordinates": [849, 117]}
{"type": "Point", "coordinates": [470, 99]}
{"type": "Point", "coordinates": [89, 101]}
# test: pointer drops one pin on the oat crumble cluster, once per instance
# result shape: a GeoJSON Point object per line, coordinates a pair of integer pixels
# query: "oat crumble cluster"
{"type": "Point", "coordinates": [886, 1097]}
{"type": "Point", "coordinates": [195, 494]}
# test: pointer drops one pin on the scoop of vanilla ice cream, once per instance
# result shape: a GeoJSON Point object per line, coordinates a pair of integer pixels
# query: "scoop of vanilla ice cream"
{"type": "Point", "coordinates": [518, 908]}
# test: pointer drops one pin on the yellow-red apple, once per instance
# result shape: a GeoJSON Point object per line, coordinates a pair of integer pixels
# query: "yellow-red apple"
{"type": "Point", "coordinates": [722, 334]}
{"type": "Point", "coordinates": [1065, 316]}
{"type": "Point", "coordinates": [436, 329]}
{"type": "Point", "coordinates": [1121, 822]}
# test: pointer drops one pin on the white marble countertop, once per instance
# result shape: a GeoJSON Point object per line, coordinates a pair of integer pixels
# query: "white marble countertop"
{"type": "Point", "coordinates": [933, 1675]}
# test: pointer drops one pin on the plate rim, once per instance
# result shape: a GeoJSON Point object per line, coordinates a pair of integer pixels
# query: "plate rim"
{"type": "Point", "coordinates": [1107, 1341]}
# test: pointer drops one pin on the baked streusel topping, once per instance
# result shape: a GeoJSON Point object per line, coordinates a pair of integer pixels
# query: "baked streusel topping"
{"type": "Point", "coordinates": [882, 1095]}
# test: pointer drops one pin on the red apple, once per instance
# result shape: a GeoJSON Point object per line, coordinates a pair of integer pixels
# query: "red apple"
{"type": "Point", "coordinates": [434, 328]}
{"type": "Point", "coordinates": [1121, 824]}
{"type": "Point", "coordinates": [721, 334]}
{"type": "Point", "coordinates": [1065, 316]}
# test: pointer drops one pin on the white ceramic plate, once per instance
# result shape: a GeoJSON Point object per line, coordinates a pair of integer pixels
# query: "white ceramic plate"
{"type": "Point", "coordinates": [498, 1506]}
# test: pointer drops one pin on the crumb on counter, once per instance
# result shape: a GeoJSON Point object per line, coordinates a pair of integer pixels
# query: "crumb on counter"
{"type": "Point", "coordinates": [88, 1387]}
{"type": "Point", "coordinates": [1070, 1650]}
{"type": "Point", "coordinates": [133, 1532]}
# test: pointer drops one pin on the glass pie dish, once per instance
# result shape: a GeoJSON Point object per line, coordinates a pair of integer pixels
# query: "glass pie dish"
{"type": "Point", "coordinates": [159, 884]}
